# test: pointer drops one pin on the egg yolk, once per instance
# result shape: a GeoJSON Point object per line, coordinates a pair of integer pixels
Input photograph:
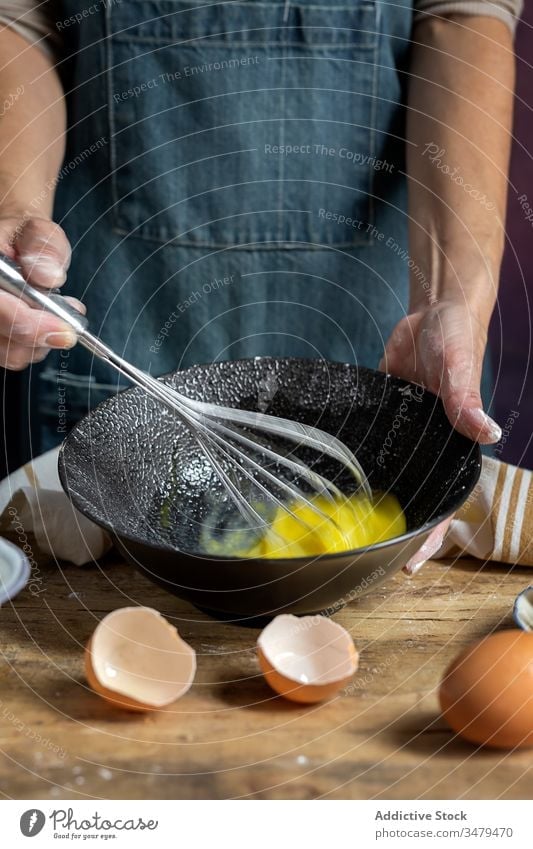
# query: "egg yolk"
{"type": "Point", "coordinates": [354, 522]}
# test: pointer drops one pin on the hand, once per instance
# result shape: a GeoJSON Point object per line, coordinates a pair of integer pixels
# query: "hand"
{"type": "Point", "coordinates": [42, 250]}
{"type": "Point", "coordinates": [442, 347]}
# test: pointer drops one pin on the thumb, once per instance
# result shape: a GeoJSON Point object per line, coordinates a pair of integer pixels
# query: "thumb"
{"type": "Point", "coordinates": [462, 401]}
{"type": "Point", "coordinates": [43, 252]}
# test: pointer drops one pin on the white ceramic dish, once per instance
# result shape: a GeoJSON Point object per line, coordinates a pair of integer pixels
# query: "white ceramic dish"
{"type": "Point", "coordinates": [523, 609]}
{"type": "Point", "coordinates": [14, 570]}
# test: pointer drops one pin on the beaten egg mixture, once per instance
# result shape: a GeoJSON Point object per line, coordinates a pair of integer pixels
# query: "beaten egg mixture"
{"type": "Point", "coordinates": [357, 522]}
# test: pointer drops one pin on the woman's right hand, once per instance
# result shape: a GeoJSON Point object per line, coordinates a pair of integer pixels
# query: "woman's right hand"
{"type": "Point", "coordinates": [41, 249]}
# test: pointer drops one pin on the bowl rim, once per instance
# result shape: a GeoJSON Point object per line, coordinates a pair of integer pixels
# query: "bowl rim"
{"type": "Point", "coordinates": [339, 555]}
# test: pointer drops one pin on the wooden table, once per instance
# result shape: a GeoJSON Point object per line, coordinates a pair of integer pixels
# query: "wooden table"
{"type": "Point", "coordinates": [230, 737]}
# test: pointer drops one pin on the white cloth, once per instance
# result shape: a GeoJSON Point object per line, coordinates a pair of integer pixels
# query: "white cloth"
{"type": "Point", "coordinates": [33, 501]}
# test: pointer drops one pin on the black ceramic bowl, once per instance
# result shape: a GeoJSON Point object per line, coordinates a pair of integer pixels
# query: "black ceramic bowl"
{"type": "Point", "coordinates": [133, 469]}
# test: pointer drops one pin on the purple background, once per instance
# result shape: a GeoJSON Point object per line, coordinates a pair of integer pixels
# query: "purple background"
{"type": "Point", "coordinates": [510, 335]}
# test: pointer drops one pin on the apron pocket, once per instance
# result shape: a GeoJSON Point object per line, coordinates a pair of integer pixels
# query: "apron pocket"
{"type": "Point", "coordinates": [243, 124]}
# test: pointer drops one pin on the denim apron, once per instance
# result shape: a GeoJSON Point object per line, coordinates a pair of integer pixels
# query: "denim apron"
{"type": "Point", "coordinates": [233, 185]}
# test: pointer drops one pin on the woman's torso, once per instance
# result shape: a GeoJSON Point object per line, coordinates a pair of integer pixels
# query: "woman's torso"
{"type": "Point", "coordinates": [233, 184]}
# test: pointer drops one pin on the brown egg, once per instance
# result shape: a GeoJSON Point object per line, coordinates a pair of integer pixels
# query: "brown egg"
{"type": "Point", "coordinates": [307, 658]}
{"type": "Point", "coordinates": [136, 660]}
{"type": "Point", "coordinates": [486, 694]}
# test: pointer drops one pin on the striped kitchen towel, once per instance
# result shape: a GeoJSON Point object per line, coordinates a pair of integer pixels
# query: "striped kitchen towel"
{"type": "Point", "coordinates": [496, 521]}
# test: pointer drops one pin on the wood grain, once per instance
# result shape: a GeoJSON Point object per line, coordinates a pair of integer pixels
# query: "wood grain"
{"type": "Point", "coordinates": [230, 737]}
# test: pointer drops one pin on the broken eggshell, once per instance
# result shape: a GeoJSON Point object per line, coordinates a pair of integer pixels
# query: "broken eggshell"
{"type": "Point", "coordinates": [306, 658]}
{"type": "Point", "coordinates": [136, 660]}
{"type": "Point", "coordinates": [523, 609]}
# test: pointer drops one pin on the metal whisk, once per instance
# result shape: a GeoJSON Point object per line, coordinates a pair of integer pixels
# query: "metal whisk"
{"type": "Point", "coordinates": [227, 437]}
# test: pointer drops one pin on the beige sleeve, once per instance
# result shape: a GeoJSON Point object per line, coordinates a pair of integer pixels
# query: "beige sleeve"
{"type": "Point", "coordinates": [507, 11]}
{"type": "Point", "coordinates": [35, 20]}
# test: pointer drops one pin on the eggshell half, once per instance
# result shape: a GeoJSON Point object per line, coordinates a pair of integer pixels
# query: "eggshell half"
{"type": "Point", "coordinates": [306, 658]}
{"type": "Point", "coordinates": [136, 660]}
{"type": "Point", "coordinates": [486, 694]}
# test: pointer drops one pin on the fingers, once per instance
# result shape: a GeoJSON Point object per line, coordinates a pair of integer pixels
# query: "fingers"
{"type": "Point", "coordinates": [30, 340]}
{"type": "Point", "coordinates": [462, 401]}
{"type": "Point", "coordinates": [474, 422]}
{"type": "Point", "coordinates": [43, 252]}
{"type": "Point", "coordinates": [78, 305]}
{"type": "Point", "coordinates": [17, 357]}
{"type": "Point", "coordinates": [27, 335]}
{"type": "Point", "coordinates": [39, 246]}
{"type": "Point", "coordinates": [455, 351]}
{"type": "Point", "coordinates": [28, 327]}
{"type": "Point", "coordinates": [428, 549]}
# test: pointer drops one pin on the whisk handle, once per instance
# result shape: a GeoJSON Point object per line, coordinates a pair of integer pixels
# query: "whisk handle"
{"type": "Point", "coordinates": [12, 281]}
